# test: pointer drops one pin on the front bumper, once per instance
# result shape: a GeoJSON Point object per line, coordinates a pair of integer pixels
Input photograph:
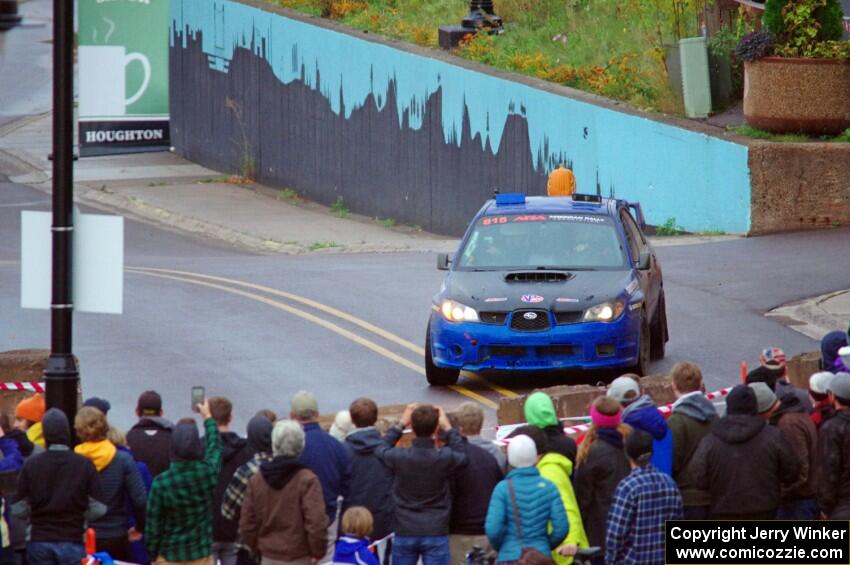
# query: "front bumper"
{"type": "Point", "coordinates": [588, 345]}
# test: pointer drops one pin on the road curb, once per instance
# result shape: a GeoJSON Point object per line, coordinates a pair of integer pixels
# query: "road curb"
{"type": "Point", "coordinates": [810, 317]}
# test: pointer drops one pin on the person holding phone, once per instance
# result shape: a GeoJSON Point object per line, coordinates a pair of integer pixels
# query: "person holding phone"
{"type": "Point", "coordinates": [179, 517]}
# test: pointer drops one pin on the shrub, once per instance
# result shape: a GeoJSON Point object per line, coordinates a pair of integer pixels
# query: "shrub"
{"type": "Point", "coordinates": [799, 21]}
{"type": "Point", "coordinates": [754, 45]}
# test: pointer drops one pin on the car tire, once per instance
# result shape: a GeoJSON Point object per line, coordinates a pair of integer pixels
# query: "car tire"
{"type": "Point", "coordinates": [644, 348]}
{"type": "Point", "coordinates": [659, 335]}
{"type": "Point", "coordinates": [437, 376]}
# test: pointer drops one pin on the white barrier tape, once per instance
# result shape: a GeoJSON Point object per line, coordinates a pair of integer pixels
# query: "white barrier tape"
{"type": "Point", "coordinates": [27, 386]}
{"type": "Point", "coordinates": [504, 431]}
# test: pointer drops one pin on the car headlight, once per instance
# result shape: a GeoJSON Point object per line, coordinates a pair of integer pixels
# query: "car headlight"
{"type": "Point", "coordinates": [457, 312]}
{"type": "Point", "coordinates": [605, 312]}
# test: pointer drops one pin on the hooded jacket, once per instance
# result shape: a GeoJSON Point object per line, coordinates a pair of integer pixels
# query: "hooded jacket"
{"type": "Point", "coordinates": [834, 455]}
{"type": "Point", "coordinates": [58, 490]}
{"type": "Point", "coordinates": [179, 517]}
{"type": "Point", "coordinates": [354, 551]}
{"type": "Point", "coordinates": [596, 479]}
{"type": "Point", "coordinates": [540, 412]}
{"type": "Point", "coordinates": [829, 346]}
{"type": "Point", "coordinates": [741, 463]}
{"type": "Point", "coordinates": [119, 481]}
{"type": "Point", "coordinates": [422, 472]}
{"type": "Point", "coordinates": [150, 442]}
{"type": "Point", "coordinates": [541, 513]}
{"type": "Point", "coordinates": [690, 421]}
{"type": "Point", "coordinates": [643, 414]}
{"type": "Point", "coordinates": [260, 445]}
{"type": "Point", "coordinates": [559, 469]}
{"type": "Point", "coordinates": [800, 432]}
{"type": "Point", "coordinates": [234, 453]}
{"type": "Point", "coordinates": [283, 517]}
{"type": "Point", "coordinates": [472, 487]}
{"type": "Point", "coordinates": [371, 480]}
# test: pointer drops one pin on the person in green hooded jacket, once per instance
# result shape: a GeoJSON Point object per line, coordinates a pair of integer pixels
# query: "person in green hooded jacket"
{"type": "Point", "coordinates": [559, 469]}
{"type": "Point", "coordinates": [540, 413]}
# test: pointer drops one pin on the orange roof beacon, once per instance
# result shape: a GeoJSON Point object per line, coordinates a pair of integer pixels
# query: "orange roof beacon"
{"type": "Point", "coordinates": [562, 182]}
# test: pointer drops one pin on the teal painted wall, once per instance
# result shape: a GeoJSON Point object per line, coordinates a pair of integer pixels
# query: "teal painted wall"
{"type": "Point", "coordinates": [702, 181]}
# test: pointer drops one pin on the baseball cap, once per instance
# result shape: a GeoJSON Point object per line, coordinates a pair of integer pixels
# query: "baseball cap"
{"type": "Point", "coordinates": [765, 398]}
{"type": "Point", "coordinates": [772, 357]}
{"type": "Point", "coordinates": [99, 403]}
{"type": "Point", "coordinates": [840, 385]}
{"type": "Point", "coordinates": [303, 403]}
{"type": "Point", "coordinates": [623, 390]}
{"type": "Point", "coordinates": [819, 382]}
{"type": "Point", "coordinates": [149, 404]}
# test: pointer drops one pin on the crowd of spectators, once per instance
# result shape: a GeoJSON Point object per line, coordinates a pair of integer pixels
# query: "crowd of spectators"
{"type": "Point", "coordinates": [290, 493]}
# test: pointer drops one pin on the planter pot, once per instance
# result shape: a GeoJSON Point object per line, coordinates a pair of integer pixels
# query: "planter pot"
{"type": "Point", "coordinates": [787, 95]}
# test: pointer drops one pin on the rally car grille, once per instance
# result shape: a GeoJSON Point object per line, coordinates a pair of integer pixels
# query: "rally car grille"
{"type": "Point", "coordinates": [530, 320]}
{"type": "Point", "coordinates": [507, 351]}
{"type": "Point", "coordinates": [537, 276]}
{"type": "Point", "coordinates": [569, 317]}
{"type": "Point", "coordinates": [493, 317]}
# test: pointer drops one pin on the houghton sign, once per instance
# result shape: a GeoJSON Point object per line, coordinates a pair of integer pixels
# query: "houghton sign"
{"type": "Point", "coordinates": [123, 74]}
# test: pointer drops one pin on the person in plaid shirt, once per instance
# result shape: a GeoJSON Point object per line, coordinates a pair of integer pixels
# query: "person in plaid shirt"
{"type": "Point", "coordinates": [260, 442]}
{"type": "Point", "coordinates": [642, 501]}
{"type": "Point", "coordinates": [179, 527]}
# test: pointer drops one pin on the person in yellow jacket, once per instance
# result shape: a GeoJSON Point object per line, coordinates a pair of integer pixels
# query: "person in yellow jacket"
{"type": "Point", "coordinates": [559, 469]}
{"type": "Point", "coordinates": [28, 415]}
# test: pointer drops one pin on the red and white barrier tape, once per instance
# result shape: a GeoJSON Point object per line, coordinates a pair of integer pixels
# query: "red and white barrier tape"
{"type": "Point", "coordinates": [28, 386]}
{"type": "Point", "coordinates": [503, 431]}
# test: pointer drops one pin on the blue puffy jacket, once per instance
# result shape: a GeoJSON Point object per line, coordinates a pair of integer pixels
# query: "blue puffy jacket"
{"type": "Point", "coordinates": [539, 506]}
{"type": "Point", "coordinates": [354, 551]}
{"type": "Point", "coordinates": [643, 414]}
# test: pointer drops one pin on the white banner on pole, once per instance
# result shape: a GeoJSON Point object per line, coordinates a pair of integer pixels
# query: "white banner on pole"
{"type": "Point", "coordinates": [98, 272]}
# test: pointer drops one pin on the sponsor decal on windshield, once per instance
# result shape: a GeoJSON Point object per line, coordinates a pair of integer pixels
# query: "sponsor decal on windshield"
{"type": "Point", "coordinates": [494, 220]}
{"type": "Point", "coordinates": [497, 299]}
{"type": "Point", "coordinates": [577, 218]}
{"type": "Point", "coordinates": [562, 299]}
{"type": "Point", "coordinates": [531, 298]}
{"type": "Point", "coordinates": [529, 218]}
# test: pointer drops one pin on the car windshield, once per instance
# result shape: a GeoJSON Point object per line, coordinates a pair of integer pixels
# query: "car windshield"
{"type": "Point", "coordinates": [543, 241]}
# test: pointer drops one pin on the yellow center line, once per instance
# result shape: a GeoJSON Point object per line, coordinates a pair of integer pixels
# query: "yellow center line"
{"type": "Point", "coordinates": [389, 336]}
{"type": "Point", "coordinates": [325, 324]}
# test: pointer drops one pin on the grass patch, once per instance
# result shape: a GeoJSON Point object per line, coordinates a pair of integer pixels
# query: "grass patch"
{"type": "Point", "coordinates": [288, 195]}
{"type": "Point", "coordinates": [711, 232]}
{"type": "Point", "coordinates": [669, 228]}
{"type": "Point", "coordinates": [211, 180]}
{"type": "Point", "coordinates": [748, 131]}
{"type": "Point", "coordinates": [386, 222]}
{"type": "Point", "coordinates": [614, 49]}
{"type": "Point", "coordinates": [339, 208]}
{"type": "Point", "coordinates": [317, 245]}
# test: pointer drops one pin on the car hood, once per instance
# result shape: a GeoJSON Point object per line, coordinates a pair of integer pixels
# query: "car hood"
{"type": "Point", "coordinates": [490, 291]}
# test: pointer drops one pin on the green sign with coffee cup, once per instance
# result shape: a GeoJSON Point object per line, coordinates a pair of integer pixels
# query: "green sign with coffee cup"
{"type": "Point", "coordinates": [122, 60]}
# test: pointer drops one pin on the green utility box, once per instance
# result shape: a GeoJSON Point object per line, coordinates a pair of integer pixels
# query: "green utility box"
{"type": "Point", "coordinates": [696, 85]}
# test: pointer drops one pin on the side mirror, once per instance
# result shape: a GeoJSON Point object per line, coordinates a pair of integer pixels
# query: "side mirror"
{"type": "Point", "coordinates": [644, 260]}
{"type": "Point", "coordinates": [443, 261]}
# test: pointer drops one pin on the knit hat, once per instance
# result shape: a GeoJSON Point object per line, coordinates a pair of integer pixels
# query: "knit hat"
{"type": "Point", "coordinates": [149, 404]}
{"type": "Point", "coordinates": [304, 403]}
{"type": "Point", "coordinates": [31, 408]}
{"type": "Point", "coordinates": [819, 382]}
{"type": "Point", "coordinates": [624, 390]}
{"type": "Point", "coordinates": [638, 446]}
{"type": "Point", "coordinates": [522, 452]}
{"type": "Point", "coordinates": [741, 400]}
{"type": "Point", "coordinates": [839, 385]}
{"type": "Point", "coordinates": [55, 427]}
{"type": "Point", "coordinates": [765, 398]}
{"type": "Point", "coordinates": [772, 357]}
{"type": "Point", "coordinates": [99, 403]}
{"type": "Point", "coordinates": [763, 374]}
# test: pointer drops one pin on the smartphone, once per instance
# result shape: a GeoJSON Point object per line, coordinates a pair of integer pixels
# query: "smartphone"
{"type": "Point", "coordinates": [198, 395]}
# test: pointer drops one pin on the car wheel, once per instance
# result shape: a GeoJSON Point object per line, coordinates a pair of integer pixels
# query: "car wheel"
{"type": "Point", "coordinates": [658, 333]}
{"type": "Point", "coordinates": [644, 349]}
{"type": "Point", "coordinates": [437, 376]}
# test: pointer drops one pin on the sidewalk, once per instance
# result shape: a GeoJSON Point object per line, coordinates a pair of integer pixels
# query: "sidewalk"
{"type": "Point", "coordinates": [815, 317]}
{"type": "Point", "coordinates": [165, 189]}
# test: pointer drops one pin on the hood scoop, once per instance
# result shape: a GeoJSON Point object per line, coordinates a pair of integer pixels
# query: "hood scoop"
{"type": "Point", "coordinates": [538, 277]}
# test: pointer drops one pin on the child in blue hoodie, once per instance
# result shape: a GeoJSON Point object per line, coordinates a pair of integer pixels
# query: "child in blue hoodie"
{"type": "Point", "coordinates": [353, 546]}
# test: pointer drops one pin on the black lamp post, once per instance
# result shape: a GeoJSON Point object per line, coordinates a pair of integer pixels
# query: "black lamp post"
{"type": "Point", "coordinates": [480, 16]}
{"type": "Point", "coordinates": [9, 16]}
{"type": "Point", "coordinates": [61, 376]}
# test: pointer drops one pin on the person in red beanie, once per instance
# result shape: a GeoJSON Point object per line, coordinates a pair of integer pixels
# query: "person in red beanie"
{"type": "Point", "coordinates": [28, 415]}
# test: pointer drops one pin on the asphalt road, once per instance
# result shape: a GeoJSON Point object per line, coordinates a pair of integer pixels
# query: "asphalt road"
{"type": "Point", "coordinates": [258, 328]}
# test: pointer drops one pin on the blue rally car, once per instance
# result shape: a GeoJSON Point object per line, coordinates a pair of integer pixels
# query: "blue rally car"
{"type": "Point", "coordinates": [548, 283]}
